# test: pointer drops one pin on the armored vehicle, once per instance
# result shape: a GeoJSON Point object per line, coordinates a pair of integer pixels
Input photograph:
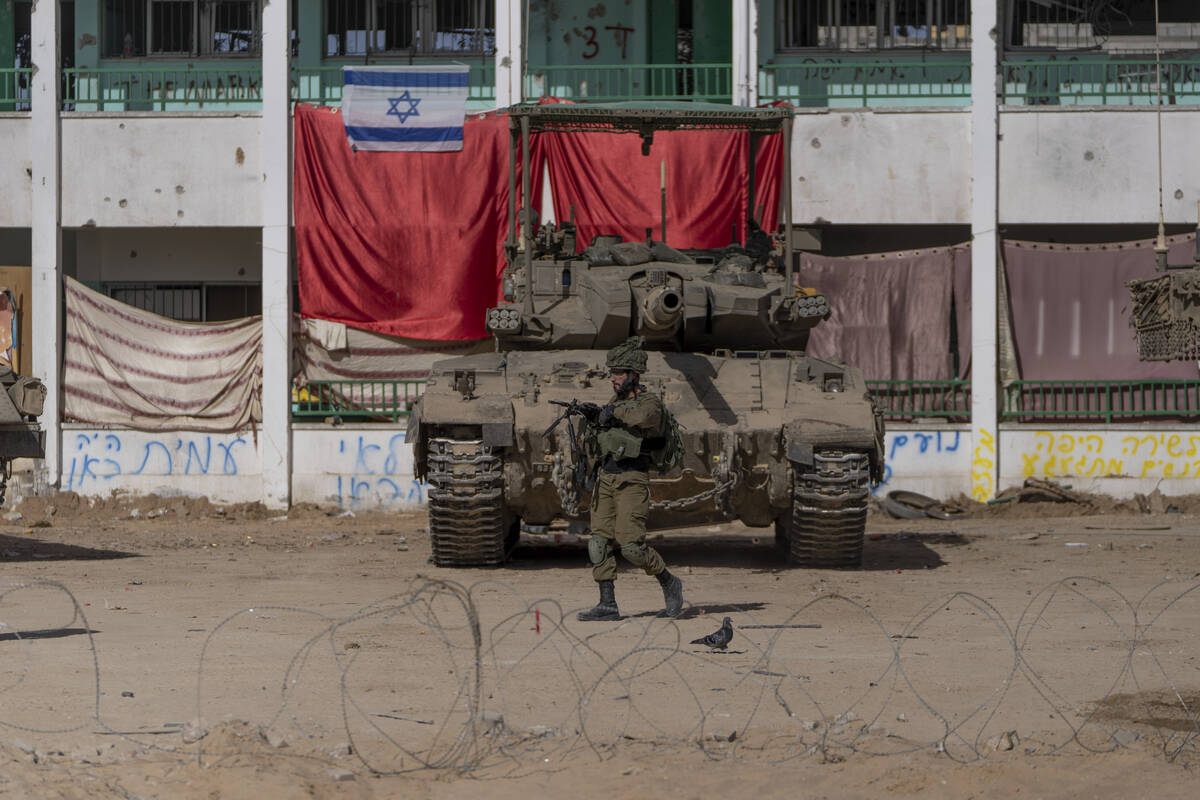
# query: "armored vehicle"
{"type": "Point", "coordinates": [771, 437]}
{"type": "Point", "coordinates": [21, 400]}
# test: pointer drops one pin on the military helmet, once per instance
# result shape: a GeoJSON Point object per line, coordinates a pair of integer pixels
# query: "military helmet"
{"type": "Point", "coordinates": [628, 355]}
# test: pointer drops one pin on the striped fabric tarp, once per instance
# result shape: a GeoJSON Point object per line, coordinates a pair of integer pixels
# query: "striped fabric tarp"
{"type": "Point", "coordinates": [124, 366]}
{"type": "Point", "coordinates": [371, 356]}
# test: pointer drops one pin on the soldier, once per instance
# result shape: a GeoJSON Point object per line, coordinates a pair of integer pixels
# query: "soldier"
{"type": "Point", "coordinates": [621, 499]}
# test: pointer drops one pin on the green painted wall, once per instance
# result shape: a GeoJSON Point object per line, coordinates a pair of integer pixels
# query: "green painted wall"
{"type": "Point", "coordinates": [87, 33]}
{"type": "Point", "coordinates": [662, 20]}
{"type": "Point", "coordinates": [712, 26]}
{"type": "Point", "coordinates": [587, 32]}
{"type": "Point", "coordinates": [8, 48]}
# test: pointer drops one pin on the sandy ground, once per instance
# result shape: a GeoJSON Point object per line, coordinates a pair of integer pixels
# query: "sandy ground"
{"type": "Point", "coordinates": [169, 648]}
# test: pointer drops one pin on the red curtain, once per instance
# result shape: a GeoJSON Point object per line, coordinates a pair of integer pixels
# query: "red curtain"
{"type": "Point", "coordinates": [891, 311]}
{"type": "Point", "coordinates": [615, 189]}
{"type": "Point", "coordinates": [403, 244]}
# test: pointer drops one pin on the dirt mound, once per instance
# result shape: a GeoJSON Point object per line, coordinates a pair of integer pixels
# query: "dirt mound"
{"type": "Point", "coordinates": [1046, 499]}
{"type": "Point", "coordinates": [68, 507]}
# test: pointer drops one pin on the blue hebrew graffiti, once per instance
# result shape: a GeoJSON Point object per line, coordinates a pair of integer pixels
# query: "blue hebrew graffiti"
{"type": "Point", "coordinates": [380, 476]}
{"type": "Point", "coordinates": [99, 457]}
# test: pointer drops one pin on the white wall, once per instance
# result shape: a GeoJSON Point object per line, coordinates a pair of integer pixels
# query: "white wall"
{"type": "Point", "coordinates": [1097, 167]}
{"type": "Point", "coordinates": [140, 170]}
{"type": "Point", "coordinates": [16, 196]}
{"type": "Point", "coordinates": [1068, 166]}
{"type": "Point", "coordinates": [177, 254]}
{"type": "Point", "coordinates": [881, 167]}
{"type": "Point", "coordinates": [355, 467]}
{"type": "Point", "coordinates": [217, 466]}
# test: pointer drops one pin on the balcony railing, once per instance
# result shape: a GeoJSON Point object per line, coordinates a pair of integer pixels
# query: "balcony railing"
{"type": "Point", "coordinates": [1083, 401]}
{"type": "Point", "coordinates": [322, 86]}
{"type": "Point", "coordinates": [356, 401]}
{"type": "Point", "coordinates": [836, 83]}
{"type": "Point", "coordinates": [1100, 401]}
{"type": "Point", "coordinates": [1094, 82]}
{"type": "Point", "coordinates": [610, 83]}
{"type": "Point", "coordinates": [909, 400]}
{"type": "Point", "coordinates": [167, 89]}
{"type": "Point", "coordinates": [212, 88]}
{"type": "Point", "coordinates": [14, 88]}
{"type": "Point", "coordinates": [827, 83]}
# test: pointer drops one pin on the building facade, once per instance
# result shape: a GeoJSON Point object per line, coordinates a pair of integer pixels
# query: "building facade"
{"type": "Point", "coordinates": [145, 150]}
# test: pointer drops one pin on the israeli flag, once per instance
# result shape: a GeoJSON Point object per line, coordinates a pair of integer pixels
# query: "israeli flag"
{"type": "Point", "coordinates": [405, 108]}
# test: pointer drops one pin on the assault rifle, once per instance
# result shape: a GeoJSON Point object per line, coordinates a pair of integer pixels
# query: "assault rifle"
{"type": "Point", "coordinates": [589, 411]}
{"type": "Point", "coordinates": [584, 476]}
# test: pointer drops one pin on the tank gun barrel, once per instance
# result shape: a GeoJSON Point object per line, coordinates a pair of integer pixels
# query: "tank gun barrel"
{"type": "Point", "coordinates": [660, 311]}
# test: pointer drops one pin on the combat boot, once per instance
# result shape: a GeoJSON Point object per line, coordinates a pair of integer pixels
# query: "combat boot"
{"type": "Point", "coordinates": [672, 593]}
{"type": "Point", "coordinates": [606, 609]}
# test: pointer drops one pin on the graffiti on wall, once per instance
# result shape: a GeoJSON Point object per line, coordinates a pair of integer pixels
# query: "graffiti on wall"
{"type": "Point", "coordinates": [1103, 454]}
{"type": "Point", "coordinates": [918, 452]}
{"type": "Point", "coordinates": [380, 472]}
{"type": "Point", "coordinates": [983, 466]}
{"type": "Point", "coordinates": [99, 457]}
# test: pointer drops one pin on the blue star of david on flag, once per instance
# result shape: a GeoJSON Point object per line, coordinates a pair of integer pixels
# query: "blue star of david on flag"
{"type": "Point", "coordinates": [380, 107]}
{"type": "Point", "coordinates": [411, 111]}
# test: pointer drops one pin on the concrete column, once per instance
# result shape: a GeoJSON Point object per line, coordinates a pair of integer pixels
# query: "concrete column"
{"type": "Point", "coordinates": [45, 135]}
{"type": "Point", "coordinates": [745, 52]}
{"type": "Point", "coordinates": [510, 52]}
{"type": "Point", "coordinates": [276, 148]}
{"type": "Point", "coordinates": [985, 465]}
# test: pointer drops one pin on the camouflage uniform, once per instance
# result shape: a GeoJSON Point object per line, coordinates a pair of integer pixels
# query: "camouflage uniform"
{"type": "Point", "coordinates": [621, 499]}
{"type": "Point", "coordinates": [622, 496]}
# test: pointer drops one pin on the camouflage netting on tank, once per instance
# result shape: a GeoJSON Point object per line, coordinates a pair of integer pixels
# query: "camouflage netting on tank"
{"type": "Point", "coordinates": [1164, 331]}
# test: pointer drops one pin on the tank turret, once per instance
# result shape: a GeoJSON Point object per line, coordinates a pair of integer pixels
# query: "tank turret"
{"type": "Point", "coordinates": [771, 436]}
{"type": "Point", "coordinates": [679, 300]}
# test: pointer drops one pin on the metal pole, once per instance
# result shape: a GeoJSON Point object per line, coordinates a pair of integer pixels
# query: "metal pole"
{"type": "Point", "coordinates": [511, 230]}
{"type": "Point", "coordinates": [789, 287]}
{"type": "Point", "coordinates": [751, 200]}
{"type": "Point", "coordinates": [527, 222]}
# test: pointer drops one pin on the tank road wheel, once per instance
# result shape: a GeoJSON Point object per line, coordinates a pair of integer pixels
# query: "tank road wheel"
{"type": "Point", "coordinates": [829, 511]}
{"type": "Point", "coordinates": [469, 525]}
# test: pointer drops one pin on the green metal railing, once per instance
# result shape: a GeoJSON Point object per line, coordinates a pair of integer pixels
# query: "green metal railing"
{"type": "Point", "coordinates": [906, 400]}
{"type": "Point", "coordinates": [163, 89]}
{"type": "Point", "coordinates": [611, 83]}
{"type": "Point", "coordinates": [14, 88]}
{"type": "Point", "coordinates": [212, 88]}
{"type": "Point", "coordinates": [358, 400]}
{"type": "Point", "coordinates": [1093, 82]}
{"type": "Point", "coordinates": [1022, 401]}
{"type": "Point", "coordinates": [1099, 400]}
{"type": "Point", "coordinates": [868, 84]}
{"type": "Point", "coordinates": [323, 85]}
{"type": "Point", "coordinates": [830, 82]}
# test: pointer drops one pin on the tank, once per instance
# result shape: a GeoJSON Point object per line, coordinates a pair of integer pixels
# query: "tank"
{"type": "Point", "coordinates": [21, 403]}
{"type": "Point", "coordinates": [772, 437]}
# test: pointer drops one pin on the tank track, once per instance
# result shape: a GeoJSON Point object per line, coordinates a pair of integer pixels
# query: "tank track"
{"type": "Point", "coordinates": [469, 525]}
{"type": "Point", "coordinates": [829, 510]}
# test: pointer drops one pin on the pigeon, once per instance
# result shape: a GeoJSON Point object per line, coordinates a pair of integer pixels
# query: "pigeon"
{"type": "Point", "coordinates": [718, 640]}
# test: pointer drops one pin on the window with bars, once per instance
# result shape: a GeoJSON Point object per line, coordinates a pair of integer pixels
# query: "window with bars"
{"type": "Point", "coordinates": [429, 27]}
{"type": "Point", "coordinates": [865, 25]}
{"type": "Point", "coordinates": [1103, 25]}
{"type": "Point", "coordinates": [191, 302]}
{"type": "Point", "coordinates": [134, 28]}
